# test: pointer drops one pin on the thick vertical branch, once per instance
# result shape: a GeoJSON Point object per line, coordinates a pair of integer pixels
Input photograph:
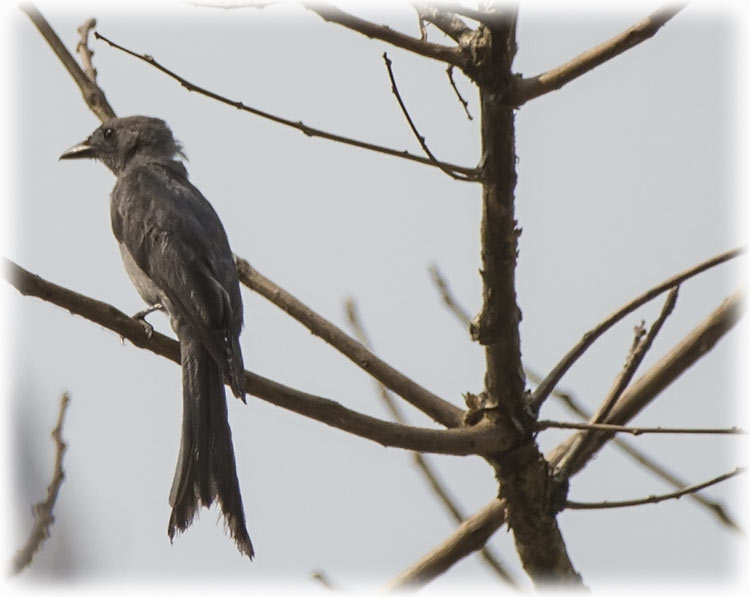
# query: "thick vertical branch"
{"type": "Point", "coordinates": [532, 498]}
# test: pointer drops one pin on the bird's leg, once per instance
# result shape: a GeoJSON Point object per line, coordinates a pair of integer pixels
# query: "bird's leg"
{"type": "Point", "coordinates": [141, 317]}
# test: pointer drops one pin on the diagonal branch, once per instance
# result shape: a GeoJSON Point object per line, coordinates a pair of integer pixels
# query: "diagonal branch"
{"type": "Point", "coordinates": [653, 499]}
{"type": "Point", "coordinates": [544, 424]}
{"type": "Point", "coordinates": [475, 440]}
{"type": "Point", "coordinates": [43, 517]}
{"type": "Point", "coordinates": [641, 393]}
{"type": "Point", "coordinates": [92, 94]}
{"type": "Point", "coordinates": [438, 409]}
{"type": "Point", "coordinates": [422, 463]}
{"type": "Point", "coordinates": [638, 352]}
{"type": "Point", "coordinates": [299, 125]}
{"type": "Point", "coordinates": [413, 127]}
{"type": "Point", "coordinates": [548, 384]}
{"type": "Point", "coordinates": [449, 23]}
{"type": "Point", "coordinates": [525, 89]}
{"type": "Point", "coordinates": [451, 55]}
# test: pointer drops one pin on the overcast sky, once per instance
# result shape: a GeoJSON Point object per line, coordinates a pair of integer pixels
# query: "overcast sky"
{"type": "Point", "coordinates": [626, 177]}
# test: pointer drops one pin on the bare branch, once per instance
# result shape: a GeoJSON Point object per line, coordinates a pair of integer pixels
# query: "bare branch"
{"type": "Point", "coordinates": [480, 439]}
{"type": "Point", "coordinates": [451, 55]}
{"type": "Point", "coordinates": [43, 517]}
{"type": "Point", "coordinates": [470, 536]}
{"type": "Point", "coordinates": [83, 49]}
{"type": "Point", "coordinates": [422, 463]}
{"type": "Point", "coordinates": [461, 99]}
{"type": "Point", "coordinates": [447, 295]}
{"type": "Point", "coordinates": [447, 22]}
{"type": "Point", "coordinates": [420, 138]}
{"type": "Point", "coordinates": [92, 94]}
{"type": "Point", "coordinates": [653, 499]}
{"type": "Point", "coordinates": [678, 360]}
{"type": "Point", "coordinates": [545, 424]}
{"type": "Point", "coordinates": [637, 353]}
{"type": "Point", "coordinates": [438, 409]}
{"type": "Point", "coordinates": [525, 89]}
{"type": "Point", "coordinates": [547, 385]}
{"type": "Point", "coordinates": [298, 125]}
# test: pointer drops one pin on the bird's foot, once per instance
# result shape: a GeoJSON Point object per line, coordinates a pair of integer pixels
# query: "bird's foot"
{"type": "Point", "coordinates": [141, 318]}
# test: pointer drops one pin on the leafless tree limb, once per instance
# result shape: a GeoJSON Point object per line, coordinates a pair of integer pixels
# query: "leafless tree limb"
{"type": "Point", "coordinates": [547, 385]}
{"type": "Point", "coordinates": [329, 13]}
{"type": "Point", "coordinates": [92, 94]}
{"type": "Point", "coordinates": [438, 409]}
{"type": "Point", "coordinates": [544, 424]}
{"type": "Point", "coordinates": [525, 89]}
{"type": "Point", "coordinates": [422, 463]}
{"type": "Point", "coordinates": [480, 439]}
{"type": "Point", "coordinates": [637, 353]}
{"type": "Point", "coordinates": [43, 517]}
{"type": "Point", "coordinates": [83, 49]}
{"type": "Point", "coordinates": [464, 103]}
{"type": "Point", "coordinates": [413, 127]}
{"type": "Point", "coordinates": [447, 22]}
{"type": "Point", "coordinates": [653, 499]}
{"type": "Point", "coordinates": [298, 125]}
{"type": "Point", "coordinates": [678, 360]}
{"type": "Point", "coordinates": [471, 535]}
{"type": "Point", "coordinates": [447, 295]}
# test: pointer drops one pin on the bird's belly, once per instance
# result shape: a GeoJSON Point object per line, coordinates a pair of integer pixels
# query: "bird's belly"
{"type": "Point", "coordinates": [143, 284]}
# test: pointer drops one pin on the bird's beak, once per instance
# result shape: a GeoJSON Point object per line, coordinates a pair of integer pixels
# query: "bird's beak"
{"type": "Point", "coordinates": [82, 150]}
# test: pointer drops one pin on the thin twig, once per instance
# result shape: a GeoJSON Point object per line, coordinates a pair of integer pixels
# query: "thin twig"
{"type": "Point", "coordinates": [420, 138]}
{"type": "Point", "coordinates": [653, 499]}
{"type": "Point", "coordinates": [43, 517]}
{"type": "Point", "coordinates": [447, 295]}
{"type": "Point", "coordinates": [448, 54]}
{"type": "Point", "coordinates": [638, 351]}
{"type": "Point", "coordinates": [525, 89]}
{"type": "Point", "coordinates": [92, 94]}
{"type": "Point", "coordinates": [547, 385]}
{"type": "Point", "coordinates": [480, 439]}
{"type": "Point", "coordinates": [352, 314]}
{"type": "Point", "coordinates": [83, 49]}
{"type": "Point", "coordinates": [545, 424]}
{"type": "Point", "coordinates": [435, 407]}
{"type": "Point", "coordinates": [461, 99]}
{"type": "Point", "coordinates": [642, 392]}
{"type": "Point", "coordinates": [298, 125]}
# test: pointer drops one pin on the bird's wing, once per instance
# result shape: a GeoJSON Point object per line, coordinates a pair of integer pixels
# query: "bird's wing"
{"type": "Point", "coordinates": [175, 237]}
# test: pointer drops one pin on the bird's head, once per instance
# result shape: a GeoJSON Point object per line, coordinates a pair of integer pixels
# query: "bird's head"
{"type": "Point", "coordinates": [119, 140]}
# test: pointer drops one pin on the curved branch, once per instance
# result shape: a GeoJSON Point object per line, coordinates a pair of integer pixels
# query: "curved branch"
{"type": "Point", "coordinates": [548, 384]}
{"type": "Point", "coordinates": [525, 89]}
{"type": "Point", "coordinates": [438, 409]}
{"type": "Point", "coordinates": [463, 441]}
{"type": "Point", "coordinates": [299, 125]}
{"type": "Point", "coordinates": [451, 55]}
{"type": "Point", "coordinates": [92, 93]}
{"type": "Point", "coordinates": [653, 499]}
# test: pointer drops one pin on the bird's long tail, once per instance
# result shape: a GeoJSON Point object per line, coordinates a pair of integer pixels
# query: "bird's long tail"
{"type": "Point", "coordinates": [206, 468]}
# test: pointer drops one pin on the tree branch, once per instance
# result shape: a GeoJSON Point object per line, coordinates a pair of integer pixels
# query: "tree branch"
{"type": "Point", "coordinates": [438, 409]}
{"type": "Point", "coordinates": [43, 517]}
{"type": "Point", "coordinates": [83, 49]}
{"type": "Point", "coordinates": [298, 125]}
{"type": "Point", "coordinates": [547, 385]}
{"type": "Point", "coordinates": [471, 535]}
{"type": "Point", "coordinates": [451, 55]}
{"type": "Point", "coordinates": [653, 499]}
{"type": "Point", "coordinates": [447, 22]}
{"type": "Point", "coordinates": [637, 353]}
{"type": "Point", "coordinates": [441, 491]}
{"type": "Point", "coordinates": [92, 94]}
{"type": "Point", "coordinates": [545, 424]}
{"type": "Point", "coordinates": [678, 360]}
{"type": "Point", "coordinates": [474, 440]}
{"type": "Point", "coordinates": [525, 89]}
{"type": "Point", "coordinates": [413, 127]}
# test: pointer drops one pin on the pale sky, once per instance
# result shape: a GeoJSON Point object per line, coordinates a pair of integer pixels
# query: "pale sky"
{"type": "Point", "coordinates": [626, 176]}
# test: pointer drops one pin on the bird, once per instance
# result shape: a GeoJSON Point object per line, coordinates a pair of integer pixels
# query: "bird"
{"type": "Point", "coordinates": [177, 255]}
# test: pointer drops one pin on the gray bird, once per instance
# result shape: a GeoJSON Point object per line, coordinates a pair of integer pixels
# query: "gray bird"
{"type": "Point", "coordinates": [177, 255]}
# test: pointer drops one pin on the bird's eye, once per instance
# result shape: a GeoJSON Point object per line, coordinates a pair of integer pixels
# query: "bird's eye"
{"type": "Point", "coordinates": [108, 132]}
